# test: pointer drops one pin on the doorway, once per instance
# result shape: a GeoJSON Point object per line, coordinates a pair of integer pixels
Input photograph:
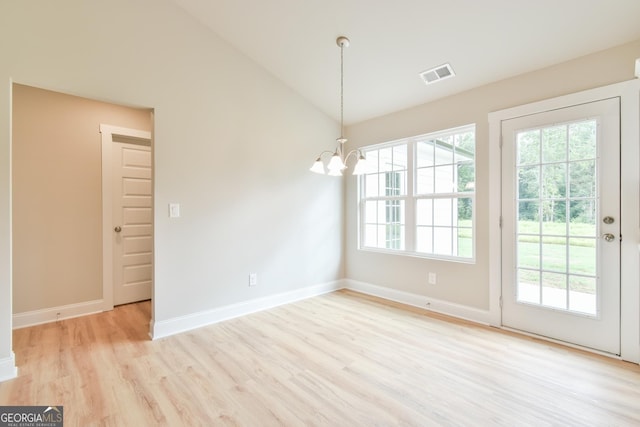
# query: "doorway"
{"type": "Point", "coordinates": [561, 224]}
{"type": "Point", "coordinates": [56, 202]}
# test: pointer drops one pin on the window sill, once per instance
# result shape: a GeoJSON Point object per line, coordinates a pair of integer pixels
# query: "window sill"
{"type": "Point", "coordinates": [434, 257]}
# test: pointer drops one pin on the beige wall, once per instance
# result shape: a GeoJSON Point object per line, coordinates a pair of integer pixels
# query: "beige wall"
{"type": "Point", "coordinates": [57, 208]}
{"type": "Point", "coordinates": [467, 284]}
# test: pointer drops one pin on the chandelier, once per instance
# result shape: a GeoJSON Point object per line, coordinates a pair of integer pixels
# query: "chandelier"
{"type": "Point", "coordinates": [338, 161]}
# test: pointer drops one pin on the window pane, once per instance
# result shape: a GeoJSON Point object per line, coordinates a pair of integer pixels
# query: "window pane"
{"type": "Point", "coordinates": [464, 206]}
{"type": "Point", "coordinates": [553, 217]}
{"type": "Point", "coordinates": [528, 217]}
{"type": "Point", "coordinates": [528, 286]}
{"type": "Point", "coordinates": [582, 140]}
{"type": "Point", "coordinates": [554, 144]}
{"type": "Point", "coordinates": [582, 214]}
{"type": "Point", "coordinates": [424, 154]}
{"type": "Point", "coordinates": [371, 235]}
{"type": "Point", "coordinates": [424, 214]}
{"type": "Point", "coordinates": [444, 179]}
{"type": "Point", "coordinates": [465, 145]}
{"type": "Point", "coordinates": [528, 147]}
{"type": "Point", "coordinates": [442, 213]}
{"type": "Point", "coordinates": [386, 159]}
{"type": "Point", "coordinates": [554, 181]}
{"type": "Point", "coordinates": [371, 185]}
{"type": "Point", "coordinates": [382, 236]}
{"type": "Point", "coordinates": [465, 177]}
{"type": "Point", "coordinates": [391, 212]}
{"type": "Point", "coordinates": [582, 178]}
{"type": "Point", "coordinates": [442, 241]}
{"type": "Point", "coordinates": [402, 184]}
{"type": "Point", "coordinates": [554, 254]}
{"type": "Point", "coordinates": [424, 239]}
{"type": "Point", "coordinates": [444, 151]}
{"type": "Point", "coordinates": [582, 256]}
{"type": "Point", "coordinates": [394, 220]}
{"type": "Point", "coordinates": [529, 182]}
{"type": "Point", "coordinates": [528, 250]}
{"type": "Point", "coordinates": [382, 212]}
{"type": "Point", "coordinates": [372, 160]}
{"type": "Point", "coordinates": [465, 242]}
{"type": "Point", "coordinates": [424, 181]}
{"type": "Point", "coordinates": [400, 158]}
{"type": "Point", "coordinates": [392, 184]}
{"type": "Point", "coordinates": [554, 290]}
{"type": "Point", "coordinates": [582, 294]}
{"type": "Point", "coordinates": [371, 212]}
{"type": "Point", "coordinates": [382, 184]}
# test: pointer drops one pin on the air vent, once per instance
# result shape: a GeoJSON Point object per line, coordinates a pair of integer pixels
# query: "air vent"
{"type": "Point", "coordinates": [438, 73]}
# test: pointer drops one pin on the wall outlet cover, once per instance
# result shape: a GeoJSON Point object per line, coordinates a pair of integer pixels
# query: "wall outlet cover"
{"type": "Point", "coordinates": [253, 279]}
{"type": "Point", "coordinates": [432, 278]}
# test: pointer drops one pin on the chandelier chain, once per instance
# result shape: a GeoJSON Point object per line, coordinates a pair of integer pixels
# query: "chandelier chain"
{"type": "Point", "coordinates": [341, 90]}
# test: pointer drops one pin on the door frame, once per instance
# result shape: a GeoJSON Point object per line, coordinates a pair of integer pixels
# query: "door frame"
{"type": "Point", "coordinates": [629, 94]}
{"type": "Point", "coordinates": [109, 133]}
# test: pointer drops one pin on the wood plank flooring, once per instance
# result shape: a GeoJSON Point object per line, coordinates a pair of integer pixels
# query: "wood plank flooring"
{"type": "Point", "coordinates": [341, 359]}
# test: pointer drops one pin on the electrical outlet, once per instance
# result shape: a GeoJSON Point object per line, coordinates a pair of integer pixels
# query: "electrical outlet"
{"type": "Point", "coordinates": [253, 279]}
{"type": "Point", "coordinates": [433, 278]}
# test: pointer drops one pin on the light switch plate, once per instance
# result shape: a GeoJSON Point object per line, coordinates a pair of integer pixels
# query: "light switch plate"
{"type": "Point", "coordinates": [174, 210]}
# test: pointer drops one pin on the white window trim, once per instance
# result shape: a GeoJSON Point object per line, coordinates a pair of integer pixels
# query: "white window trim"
{"type": "Point", "coordinates": [410, 199]}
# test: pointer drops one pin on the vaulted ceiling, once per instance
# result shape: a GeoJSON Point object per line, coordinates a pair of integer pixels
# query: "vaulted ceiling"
{"type": "Point", "coordinates": [393, 41]}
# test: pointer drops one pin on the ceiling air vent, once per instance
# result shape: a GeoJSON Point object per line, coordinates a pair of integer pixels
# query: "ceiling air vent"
{"type": "Point", "coordinates": [438, 73]}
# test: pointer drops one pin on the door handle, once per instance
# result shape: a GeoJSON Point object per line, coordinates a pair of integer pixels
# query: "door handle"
{"type": "Point", "coordinates": [609, 237]}
{"type": "Point", "coordinates": [117, 229]}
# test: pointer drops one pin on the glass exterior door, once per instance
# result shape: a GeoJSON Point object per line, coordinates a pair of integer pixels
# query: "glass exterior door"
{"type": "Point", "coordinates": [561, 234]}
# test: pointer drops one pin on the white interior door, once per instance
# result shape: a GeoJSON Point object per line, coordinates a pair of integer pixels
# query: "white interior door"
{"type": "Point", "coordinates": [132, 222]}
{"type": "Point", "coordinates": [561, 224]}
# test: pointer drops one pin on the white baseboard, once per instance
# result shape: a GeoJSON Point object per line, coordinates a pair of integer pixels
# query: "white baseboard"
{"type": "Point", "coordinates": [421, 301]}
{"type": "Point", "coordinates": [46, 315]}
{"type": "Point", "coordinates": [165, 328]}
{"type": "Point", "coordinates": [8, 369]}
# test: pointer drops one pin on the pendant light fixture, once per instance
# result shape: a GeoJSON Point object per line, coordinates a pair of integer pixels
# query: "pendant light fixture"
{"type": "Point", "coordinates": [338, 161]}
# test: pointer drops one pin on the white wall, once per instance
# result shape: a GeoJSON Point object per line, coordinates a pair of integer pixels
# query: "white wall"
{"type": "Point", "coordinates": [466, 284]}
{"type": "Point", "coordinates": [232, 145]}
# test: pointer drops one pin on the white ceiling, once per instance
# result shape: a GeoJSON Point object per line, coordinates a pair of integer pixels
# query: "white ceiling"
{"type": "Point", "coordinates": [393, 41]}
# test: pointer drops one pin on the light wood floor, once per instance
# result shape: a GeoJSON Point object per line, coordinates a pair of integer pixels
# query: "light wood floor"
{"type": "Point", "coordinates": [341, 359]}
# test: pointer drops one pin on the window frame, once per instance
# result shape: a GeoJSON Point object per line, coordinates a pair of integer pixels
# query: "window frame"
{"type": "Point", "coordinates": [411, 198]}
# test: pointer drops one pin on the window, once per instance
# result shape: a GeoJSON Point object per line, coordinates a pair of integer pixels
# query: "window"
{"type": "Point", "coordinates": [418, 196]}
